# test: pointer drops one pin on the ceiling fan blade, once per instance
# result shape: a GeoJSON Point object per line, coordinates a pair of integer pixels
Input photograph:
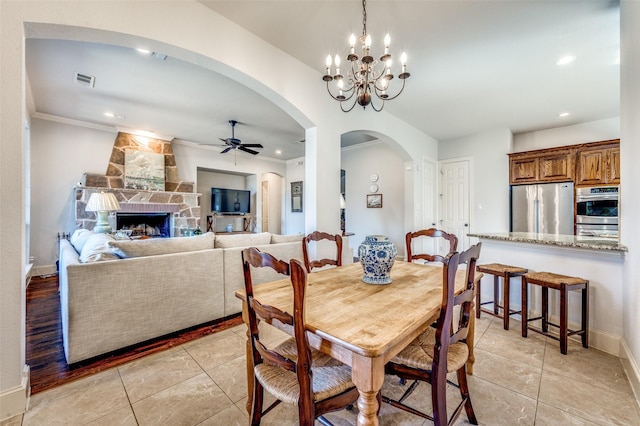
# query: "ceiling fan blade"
{"type": "Point", "coordinates": [252, 145]}
{"type": "Point", "coordinates": [224, 140]}
{"type": "Point", "coordinates": [250, 151]}
{"type": "Point", "coordinates": [226, 150]}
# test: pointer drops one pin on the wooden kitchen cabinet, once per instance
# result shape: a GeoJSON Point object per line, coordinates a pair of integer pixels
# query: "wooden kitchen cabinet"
{"type": "Point", "coordinates": [598, 164]}
{"type": "Point", "coordinates": [557, 166]}
{"type": "Point", "coordinates": [546, 165]}
{"type": "Point", "coordinates": [523, 170]}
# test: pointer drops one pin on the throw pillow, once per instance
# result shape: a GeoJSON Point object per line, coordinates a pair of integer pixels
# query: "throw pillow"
{"type": "Point", "coordinates": [275, 238]}
{"type": "Point", "coordinates": [156, 246]}
{"type": "Point", "coordinates": [242, 240]}
{"type": "Point", "coordinates": [96, 249]}
{"type": "Point", "coordinates": [79, 238]}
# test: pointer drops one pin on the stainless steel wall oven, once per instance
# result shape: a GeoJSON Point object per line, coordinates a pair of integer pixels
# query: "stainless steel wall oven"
{"type": "Point", "coordinates": [597, 211]}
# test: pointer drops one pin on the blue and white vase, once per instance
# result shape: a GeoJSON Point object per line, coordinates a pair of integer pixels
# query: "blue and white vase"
{"type": "Point", "coordinates": [377, 254]}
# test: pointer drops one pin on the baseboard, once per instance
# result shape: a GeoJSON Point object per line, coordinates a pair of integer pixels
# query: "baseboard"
{"type": "Point", "coordinates": [631, 368]}
{"type": "Point", "coordinates": [43, 270]}
{"type": "Point", "coordinates": [598, 339]}
{"type": "Point", "coordinates": [16, 401]}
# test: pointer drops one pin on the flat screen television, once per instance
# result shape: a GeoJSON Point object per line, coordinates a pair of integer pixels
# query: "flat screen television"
{"type": "Point", "coordinates": [230, 201]}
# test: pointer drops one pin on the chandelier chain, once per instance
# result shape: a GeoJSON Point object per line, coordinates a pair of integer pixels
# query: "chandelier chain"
{"type": "Point", "coordinates": [364, 18]}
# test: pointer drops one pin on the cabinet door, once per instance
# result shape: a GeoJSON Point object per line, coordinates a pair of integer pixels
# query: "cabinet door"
{"type": "Point", "coordinates": [557, 167]}
{"type": "Point", "coordinates": [591, 167]}
{"type": "Point", "coordinates": [613, 166]}
{"type": "Point", "coordinates": [524, 170]}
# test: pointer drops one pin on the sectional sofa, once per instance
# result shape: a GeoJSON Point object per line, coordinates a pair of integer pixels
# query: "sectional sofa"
{"type": "Point", "coordinates": [116, 293]}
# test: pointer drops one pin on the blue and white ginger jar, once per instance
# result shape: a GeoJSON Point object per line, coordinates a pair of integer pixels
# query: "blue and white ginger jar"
{"type": "Point", "coordinates": [377, 254]}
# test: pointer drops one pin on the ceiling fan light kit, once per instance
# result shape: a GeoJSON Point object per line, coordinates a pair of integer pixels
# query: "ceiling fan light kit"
{"type": "Point", "coordinates": [367, 75]}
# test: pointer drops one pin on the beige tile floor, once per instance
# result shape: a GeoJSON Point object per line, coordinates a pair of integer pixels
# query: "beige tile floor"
{"type": "Point", "coordinates": [516, 381]}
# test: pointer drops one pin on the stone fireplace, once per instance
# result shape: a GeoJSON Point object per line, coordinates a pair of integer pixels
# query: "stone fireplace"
{"type": "Point", "coordinates": [155, 213]}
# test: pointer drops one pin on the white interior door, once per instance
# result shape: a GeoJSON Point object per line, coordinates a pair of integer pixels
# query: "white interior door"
{"type": "Point", "coordinates": [429, 181]}
{"type": "Point", "coordinates": [454, 201]}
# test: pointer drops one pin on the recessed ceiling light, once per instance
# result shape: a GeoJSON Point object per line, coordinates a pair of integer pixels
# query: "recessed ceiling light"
{"type": "Point", "coordinates": [564, 114]}
{"type": "Point", "coordinates": [114, 115]}
{"type": "Point", "coordinates": [143, 51]}
{"type": "Point", "coordinates": [566, 60]}
{"type": "Point", "coordinates": [278, 151]}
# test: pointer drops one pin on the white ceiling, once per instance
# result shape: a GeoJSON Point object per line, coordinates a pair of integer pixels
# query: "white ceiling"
{"type": "Point", "coordinates": [475, 66]}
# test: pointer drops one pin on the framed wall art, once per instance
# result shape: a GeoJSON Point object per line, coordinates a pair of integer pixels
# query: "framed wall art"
{"type": "Point", "coordinates": [296, 197]}
{"type": "Point", "coordinates": [374, 201]}
{"type": "Point", "coordinates": [143, 170]}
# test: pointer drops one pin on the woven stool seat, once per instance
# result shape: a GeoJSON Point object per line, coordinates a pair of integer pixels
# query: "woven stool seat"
{"type": "Point", "coordinates": [564, 284]}
{"type": "Point", "coordinates": [506, 272]}
{"type": "Point", "coordinates": [555, 279]}
{"type": "Point", "coordinates": [499, 268]}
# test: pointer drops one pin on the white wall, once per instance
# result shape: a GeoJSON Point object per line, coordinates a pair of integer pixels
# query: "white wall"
{"type": "Point", "coordinates": [592, 131]}
{"type": "Point", "coordinates": [630, 188]}
{"type": "Point", "coordinates": [60, 155]}
{"type": "Point", "coordinates": [489, 176]}
{"type": "Point", "coordinates": [359, 162]}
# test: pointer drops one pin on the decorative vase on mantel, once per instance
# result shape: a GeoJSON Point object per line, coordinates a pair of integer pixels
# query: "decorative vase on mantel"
{"type": "Point", "coordinates": [377, 254]}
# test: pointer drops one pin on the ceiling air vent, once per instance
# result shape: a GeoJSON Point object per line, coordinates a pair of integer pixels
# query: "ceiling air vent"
{"type": "Point", "coordinates": [85, 79]}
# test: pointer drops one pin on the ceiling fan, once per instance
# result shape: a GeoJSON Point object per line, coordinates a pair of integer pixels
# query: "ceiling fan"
{"type": "Point", "coordinates": [234, 143]}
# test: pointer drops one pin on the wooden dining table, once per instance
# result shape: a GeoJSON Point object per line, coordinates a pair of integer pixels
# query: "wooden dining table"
{"type": "Point", "coordinates": [362, 325]}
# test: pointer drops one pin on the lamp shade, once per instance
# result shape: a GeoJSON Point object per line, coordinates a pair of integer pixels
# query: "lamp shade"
{"type": "Point", "coordinates": [102, 201]}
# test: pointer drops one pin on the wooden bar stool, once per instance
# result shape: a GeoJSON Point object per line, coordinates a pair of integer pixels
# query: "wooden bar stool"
{"type": "Point", "coordinates": [506, 272]}
{"type": "Point", "coordinates": [564, 284]}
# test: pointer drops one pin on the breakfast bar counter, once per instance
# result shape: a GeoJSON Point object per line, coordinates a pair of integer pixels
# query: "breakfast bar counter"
{"type": "Point", "coordinates": [574, 241]}
{"type": "Point", "coordinates": [599, 260]}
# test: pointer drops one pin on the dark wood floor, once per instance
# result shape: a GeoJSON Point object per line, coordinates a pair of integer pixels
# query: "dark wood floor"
{"type": "Point", "coordinates": [44, 352]}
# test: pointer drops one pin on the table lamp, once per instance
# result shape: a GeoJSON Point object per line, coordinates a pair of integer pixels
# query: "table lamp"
{"type": "Point", "coordinates": [102, 203]}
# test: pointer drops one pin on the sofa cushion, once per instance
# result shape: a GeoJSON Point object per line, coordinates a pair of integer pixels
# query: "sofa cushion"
{"type": "Point", "coordinates": [97, 249]}
{"type": "Point", "coordinates": [275, 238]}
{"type": "Point", "coordinates": [79, 238]}
{"type": "Point", "coordinates": [157, 246]}
{"type": "Point", "coordinates": [242, 240]}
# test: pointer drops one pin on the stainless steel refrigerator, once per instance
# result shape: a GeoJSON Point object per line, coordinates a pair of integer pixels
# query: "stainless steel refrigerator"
{"type": "Point", "coordinates": [543, 208]}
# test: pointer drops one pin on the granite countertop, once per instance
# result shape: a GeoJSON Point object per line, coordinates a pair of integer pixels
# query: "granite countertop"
{"type": "Point", "coordinates": [592, 243]}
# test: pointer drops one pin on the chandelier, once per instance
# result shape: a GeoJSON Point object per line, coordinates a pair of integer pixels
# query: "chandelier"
{"type": "Point", "coordinates": [366, 76]}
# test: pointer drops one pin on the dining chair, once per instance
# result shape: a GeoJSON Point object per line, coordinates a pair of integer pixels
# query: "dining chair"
{"type": "Point", "coordinates": [291, 371]}
{"type": "Point", "coordinates": [432, 233]}
{"type": "Point", "coordinates": [318, 236]}
{"type": "Point", "coordinates": [442, 350]}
